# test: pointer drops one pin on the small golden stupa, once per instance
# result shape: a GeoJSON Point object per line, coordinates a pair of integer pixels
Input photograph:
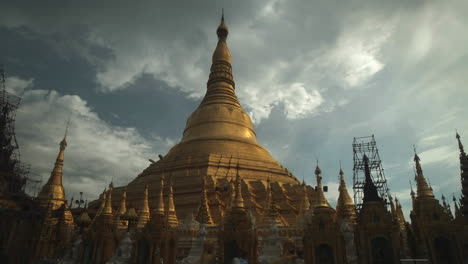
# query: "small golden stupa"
{"type": "Point", "coordinates": [218, 142]}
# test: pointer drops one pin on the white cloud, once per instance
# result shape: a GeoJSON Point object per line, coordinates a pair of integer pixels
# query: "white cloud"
{"type": "Point", "coordinates": [97, 151]}
{"type": "Point", "coordinates": [17, 85]}
{"type": "Point", "coordinates": [298, 101]}
{"type": "Point", "coordinates": [356, 56]}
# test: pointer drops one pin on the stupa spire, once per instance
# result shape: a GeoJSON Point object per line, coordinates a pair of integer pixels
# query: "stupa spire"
{"type": "Point", "coordinates": [344, 206]}
{"type": "Point", "coordinates": [160, 205]}
{"type": "Point", "coordinates": [203, 214]}
{"type": "Point", "coordinates": [423, 190]}
{"type": "Point", "coordinates": [344, 198]}
{"type": "Point", "coordinates": [370, 190]}
{"type": "Point", "coordinates": [221, 81]}
{"type": "Point", "coordinates": [305, 203]}
{"type": "Point", "coordinates": [238, 199]}
{"type": "Point", "coordinates": [108, 205]}
{"type": "Point", "coordinates": [143, 211]}
{"type": "Point", "coordinates": [172, 219]}
{"type": "Point", "coordinates": [102, 203]}
{"type": "Point", "coordinates": [53, 192]}
{"type": "Point", "coordinates": [464, 178]}
{"type": "Point", "coordinates": [321, 200]}
{"type": "Point", "coordinates": [401, 216]}
{"type": "Point", "coordinates": [123, 203]}
{"type": "Point", "coordinates": [460, 145]}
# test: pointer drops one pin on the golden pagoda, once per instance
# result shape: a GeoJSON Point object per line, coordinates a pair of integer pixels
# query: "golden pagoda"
{"type": "Point", "coordinates": [218, 137]}
{"type": "Point", "coordinates": [52, 193]}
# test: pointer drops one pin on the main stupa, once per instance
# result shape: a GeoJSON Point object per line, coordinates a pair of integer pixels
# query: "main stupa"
{"type": "Point", "coordinates": [218, 142]}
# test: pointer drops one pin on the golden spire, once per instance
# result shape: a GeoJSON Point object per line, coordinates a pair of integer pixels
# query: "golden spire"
{"type": "Point", "coordinates": [232, 193]}
{"type": "Point", "coordinates": [399, 210]}
{"type": "Point", "coordinates": [344, 198]}
{"type": "Point", "coordinates": [321, 200]}
{"type": "Point", "coordinates": [160, 206]}
{"type": "Point", "coordinates": [203, 214]}
{"type": "Point", "coordinates": [221, 82]}
{"type": "Point", "coordinates": [108, 205]}
{"type": "Point", "coordinates": [238, 199]}
{"type": "Point", "coordinates": [305, 203]}
{"type": "Point", "coordinates": [229, 121]}
{"type": "Point", "coordinates": [103, 202]}
{"type": "Point", "coordinates": [271, 214]}
{"type": "Point", "coordinates": [123, 203]}
{"type": "Point", "coordinates": [143, 211]}
{"type": "Point", "coordinates": [52, 193]}
{"type": "Point", "coordinates": [344, 206]}
{"type": "Point", "coordinates": [423, 190]}
{"type": "Point", "coordinates": [221, 52]}
{"type": "Point", "coordinates": [172, 219]}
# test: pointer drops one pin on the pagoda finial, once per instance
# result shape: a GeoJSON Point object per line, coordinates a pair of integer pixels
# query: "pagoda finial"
{"type": "Point", "coordinates": [305, 203]}
{"type": "Point", "coordinates": [123, 203]}
{"type": "Point", "coordinates": [238, 199]}
{"type": "Point", "coordinates": [222, 30]}
{"type": "Point", "coordinates": [108, 205]}
{"type": "Point", "coordinates": [460, 145]}
{"type": "Point", "coordinates": [172, 219]}
{"type": "Point", "coordinates": [321, 201]}
{"type": "Point", "coordinates": [203, 214]}
{"type": "Point", "coordinates": [412, 191]}
{"type": "Point", "coordinates": [272, 216]}
{"type": "Point", "coordinates": [63, 143]}
{"type": "Point", "coordinates": [160, 206]}
{"type": "Point", "coordinates": [143, 210]}
{"type": "Point", "coordinates": [344, 198]}
{"type": "Point", "coordinates": [423, 189]}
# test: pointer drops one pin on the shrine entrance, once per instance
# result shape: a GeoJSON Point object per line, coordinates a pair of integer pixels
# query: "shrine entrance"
{"type": "Point", "coordinates": [381, 251]}
{"type": "Point", "coordinates": [324, 254]}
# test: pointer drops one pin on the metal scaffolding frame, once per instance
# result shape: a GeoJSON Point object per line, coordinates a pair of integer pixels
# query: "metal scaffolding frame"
{"type": "Point", "coordinates": [15, 172]}
{"type": "Point", "coordinates": [368, 146]}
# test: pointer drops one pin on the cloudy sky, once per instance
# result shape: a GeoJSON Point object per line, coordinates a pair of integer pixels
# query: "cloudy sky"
{"type": "Point", "coordinates": [311, 74]}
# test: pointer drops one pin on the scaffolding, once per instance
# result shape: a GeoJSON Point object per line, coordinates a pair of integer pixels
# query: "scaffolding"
{"type": "Point", "coordinates": [13, 171]}
{"type": "Point", "coordinates": [368, 146]}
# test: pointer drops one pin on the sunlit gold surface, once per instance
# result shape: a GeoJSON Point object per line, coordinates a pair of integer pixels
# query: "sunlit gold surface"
{"type": "Point", "coordinates": [345, 208]}
{"type": "Point", "coordinates": [52, 194]}
{"type": "Point", "coordinates": [321, 200]}
{"type": "Point", "coordinates": [423, 189]}
{"type": "Point", "coordinates": [218, 137]}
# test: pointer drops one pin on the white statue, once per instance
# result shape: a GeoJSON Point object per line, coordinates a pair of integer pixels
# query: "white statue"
{"type": "Point", "coordinates": [198, 243]}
